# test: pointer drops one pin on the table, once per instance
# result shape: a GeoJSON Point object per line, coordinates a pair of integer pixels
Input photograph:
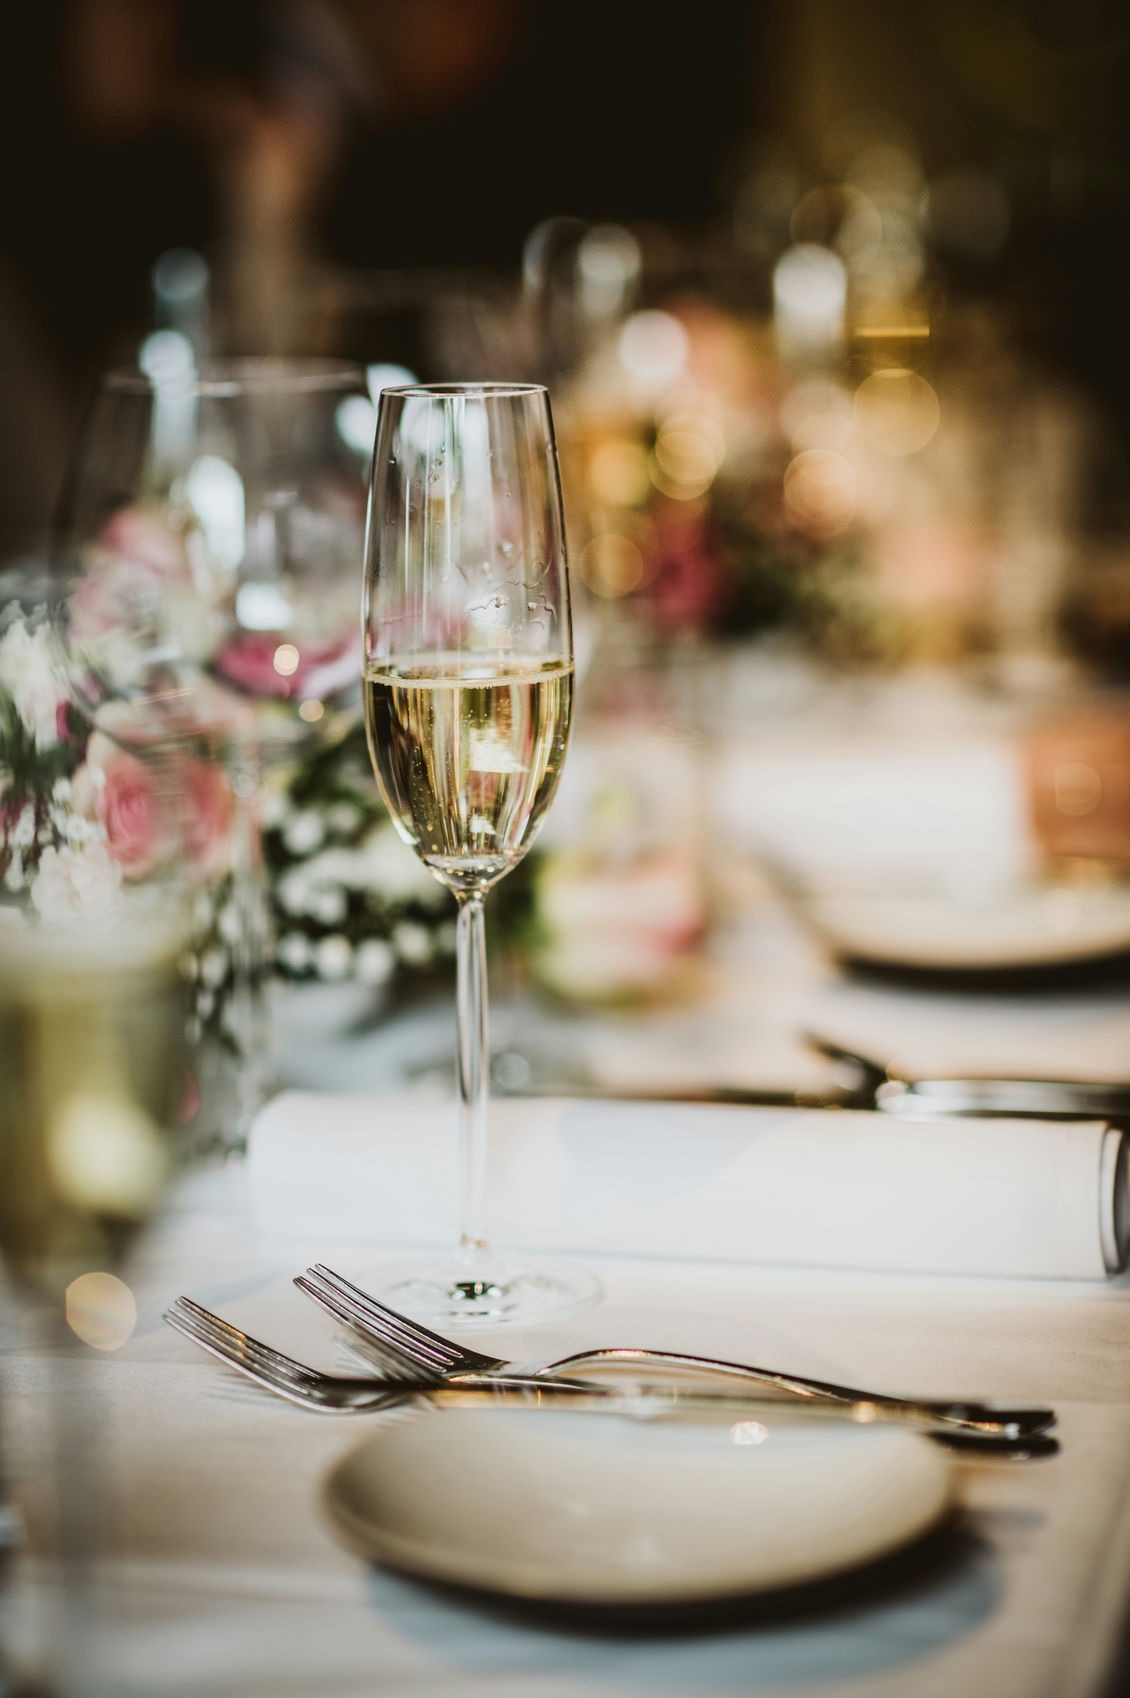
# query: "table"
{"type": "Point", "coordinates": [230, 1583]}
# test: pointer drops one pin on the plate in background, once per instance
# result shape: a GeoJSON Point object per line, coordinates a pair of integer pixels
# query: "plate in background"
{"type": "Point", "coordinates": [1028, 928]}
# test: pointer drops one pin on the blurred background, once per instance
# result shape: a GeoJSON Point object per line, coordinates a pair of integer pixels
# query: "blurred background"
{"type": "Point", "coordinates": [830, 298]}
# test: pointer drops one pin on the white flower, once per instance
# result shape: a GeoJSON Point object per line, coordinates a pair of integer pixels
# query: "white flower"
{"type": "Point", "coordinates": [76, 884]}
{"type": "Point", "coordinates": [213, 967]}
{"type": "Point", "coordinates": [294, 951]}
{"type": "Point", "coordinates": [343, 817]}
{"type": "Point", "coordinates": [23, 832]}
{"type": "Point", "coordinates": [328, 905]}
{"type": "Point", "coordinates": [228, 924]}
{"type": "Point", "coordinates": [375, 962]}
{"type": "Point", "coordinates": [27, 672]}
{"type": "Point", "coordinates": [333, 866]}
{"type": "Point", "coordinates": [304, 832]}
{"type": "Point", "coordinates": [388, 867]}
{"type": "Point", "coordinates": [273, 809]}
{"type": "Point", "coordinates": [14, 873]}
{"type": "Point", "coordinates": [294, 890]}
{"type": "Point", "coordinates": [78, 830]}
{"type": "Point", "coordinates": [333, 957]}
{"type": "Point", "coordinates": [61, 790]}
{"type": "Point", "coordinates": [412, 943]}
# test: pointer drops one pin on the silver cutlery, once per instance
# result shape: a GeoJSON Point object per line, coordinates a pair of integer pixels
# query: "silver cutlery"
{"type": "Point", "coordinates": [1049, 1099]}
{"type": "Point", "coordinates": [338, 1394]}
{"type": "Point", "coordinates": [407, 1344]}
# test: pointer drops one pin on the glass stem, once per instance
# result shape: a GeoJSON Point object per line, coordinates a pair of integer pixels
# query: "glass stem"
{"type": "Point", "coordinates": [472, 1066]}
{"type": "Point", "coordinates": [249, 1023]}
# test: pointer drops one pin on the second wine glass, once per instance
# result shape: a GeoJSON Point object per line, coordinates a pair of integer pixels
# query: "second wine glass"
{"type": "Point", "coordinates": [206, 557]}
{"type": "Point", "coordinates": [468, 704]}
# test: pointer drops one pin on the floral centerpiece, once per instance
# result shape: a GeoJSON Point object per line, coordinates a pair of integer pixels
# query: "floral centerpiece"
{"type": "Point", "coordinates": [349, 900]}
{"type": "Point", "coordinates": [79, 813]}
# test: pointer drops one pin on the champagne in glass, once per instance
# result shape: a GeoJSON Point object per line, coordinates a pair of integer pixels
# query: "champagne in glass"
{"type": "Point", "coordinates": [468, 697]}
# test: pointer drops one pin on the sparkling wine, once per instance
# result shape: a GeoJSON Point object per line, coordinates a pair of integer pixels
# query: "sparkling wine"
{"type": "Point", "coordinates": [92, 1054]}
{"type": "Point", "coordinates": [468, 753]}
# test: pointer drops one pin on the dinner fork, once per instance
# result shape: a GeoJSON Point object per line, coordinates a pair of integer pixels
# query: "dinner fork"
{"type": "Point", "coordinates": [339, 1394]}
{"type": "Point", "coordinates": [406, 1344]}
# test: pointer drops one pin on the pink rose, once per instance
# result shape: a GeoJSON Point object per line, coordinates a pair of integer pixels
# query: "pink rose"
{"type": "Point", "coordinates": [118, 790]}
{"type": "Point", "coordinates": [130, 814]}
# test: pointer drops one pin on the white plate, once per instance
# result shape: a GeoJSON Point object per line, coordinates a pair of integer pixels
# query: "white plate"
{"type": "Point", "coordinates": [1036, 926]}
{"type": "Point", "coordinates": [600, 1509]}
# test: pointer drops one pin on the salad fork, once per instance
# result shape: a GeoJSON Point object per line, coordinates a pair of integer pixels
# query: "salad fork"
{"type": "Point", "coordinates": [406, 1344]}
{"type": "Point", "coordinates": [339, 1394]}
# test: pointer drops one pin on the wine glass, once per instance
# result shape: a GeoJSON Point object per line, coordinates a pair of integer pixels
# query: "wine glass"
{"type": "Point", "coordinates": [468, 692]}
{"type": "Point", "coordinates": [207, 551]}
{"type": "Point", "coordinates": [101, 869]}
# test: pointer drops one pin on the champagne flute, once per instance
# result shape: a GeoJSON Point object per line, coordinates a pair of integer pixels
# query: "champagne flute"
{"type": "Point", "coordinates": [207, 556]}
{"type": "Point", "coordinates": [468, 691]}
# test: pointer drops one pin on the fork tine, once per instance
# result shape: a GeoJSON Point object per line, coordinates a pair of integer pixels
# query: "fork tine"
{"type": "Point", "coordinates": [387, 1354]}
{"type": "Point", "coordinates": [415, 1340]}
{"type": "Point", "coordinates": [262, 1375]}
{"type": "Point", "coordinates": [241, 1344]}
{"type": "Point", "coordinates": [378, 1327]}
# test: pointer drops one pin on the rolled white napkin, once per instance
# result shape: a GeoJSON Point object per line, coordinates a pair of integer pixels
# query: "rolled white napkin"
{"type": "Point", "coordinates": [1021, 1199]}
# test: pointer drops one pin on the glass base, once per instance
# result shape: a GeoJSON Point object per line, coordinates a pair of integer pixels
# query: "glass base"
{"type": "Point", "coordinates": [482, 1288]}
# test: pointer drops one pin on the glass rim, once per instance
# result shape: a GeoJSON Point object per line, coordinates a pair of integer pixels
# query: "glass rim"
{"type": "Point", "coordinates": [251, 374]}
{"type": "Point", "coordinates": [452, 391]}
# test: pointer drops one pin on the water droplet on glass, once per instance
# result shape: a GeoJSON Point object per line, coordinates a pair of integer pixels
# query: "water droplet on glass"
{"type": "Point", "coordinates": [506, 548]}
{"type": "Point", "coordinates": [531, 607]}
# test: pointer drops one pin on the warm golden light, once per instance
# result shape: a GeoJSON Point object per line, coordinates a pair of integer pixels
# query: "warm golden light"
{"type": "Point", "coordinates": [286, 660]}
{"type": "Point", "coordinates": [101, 1310]}
{"type": "Point", "coordinates": [820, 492]}
{"type": "Point", "coordinates": [897, 411]}
{"type": "Point", "coordinates": [817, 414]}
{"type": "Point", "coordinates": [611, 565]}
{"type": "Point", "coordinates": [618, 473]}
{"type": "Point", "coordinates": [311, 711]}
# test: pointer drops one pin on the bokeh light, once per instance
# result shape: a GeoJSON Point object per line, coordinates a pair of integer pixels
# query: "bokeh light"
{"type": "Point", "coordinates": [809, 296]}
{"type": "Point", "coordinates": [611, 565]}
{"type": "Point", "coordinates": [820, 492]}
{"type": "Point", "coordinates": [897, 411]}
{"type": "Point", "coordinates": [356, 421]}
{"type": "Point", "coordinates": [818, 414]}
{"type": "Point", "coordinates": [618, 473]}
{"type": "Point", "coordinates": [101, 1310]}
{"type": "Point", "coordinates": [653, 348]}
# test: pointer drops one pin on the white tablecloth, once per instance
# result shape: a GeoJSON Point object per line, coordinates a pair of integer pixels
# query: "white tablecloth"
{"type": "Point", "coordinates": [230, 1581]}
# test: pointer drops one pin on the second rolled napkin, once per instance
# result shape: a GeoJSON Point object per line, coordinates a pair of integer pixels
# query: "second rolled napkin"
{"type": "Point", "coordinates": [1020, 1199]}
